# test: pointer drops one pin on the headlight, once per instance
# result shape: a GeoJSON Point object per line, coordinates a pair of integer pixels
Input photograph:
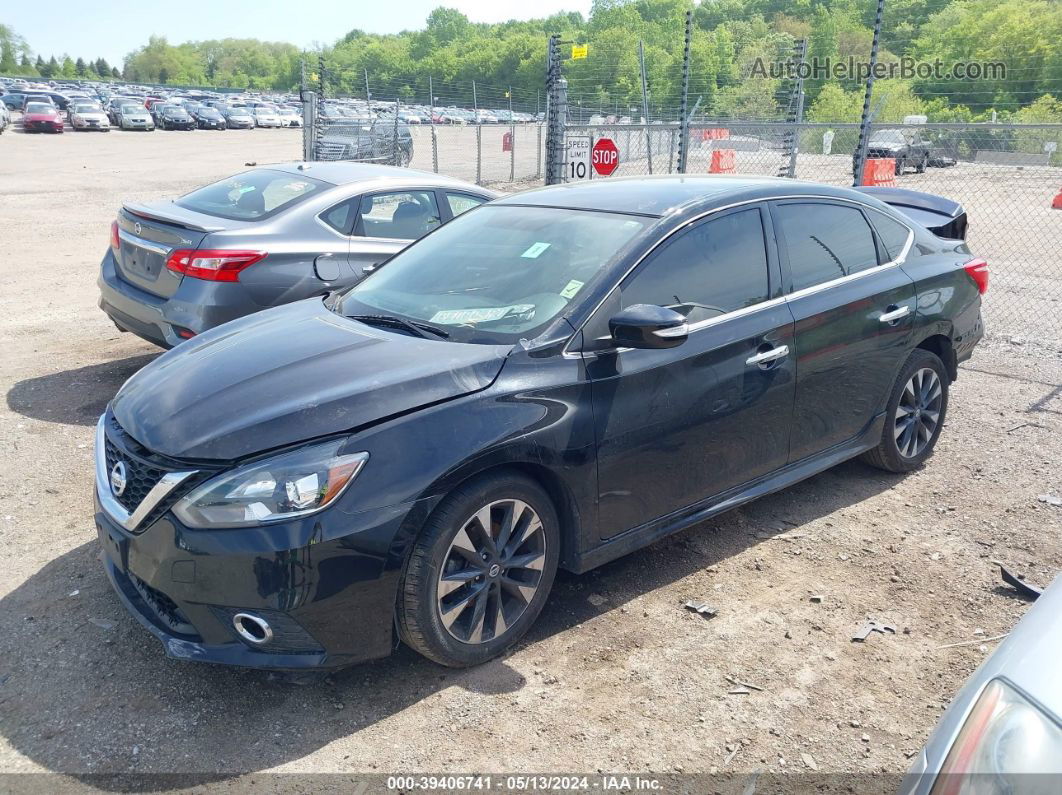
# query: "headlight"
{"type": "Point", "coordinates": [282, 487]}
{"type": "Point", "coordinates": [1006, 745]}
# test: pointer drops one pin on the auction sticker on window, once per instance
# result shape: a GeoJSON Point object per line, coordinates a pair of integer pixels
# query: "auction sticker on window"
{"type": "Point", "coordinates": [479, 314]}
{"type": "Point", "coordinates": [535, 250]}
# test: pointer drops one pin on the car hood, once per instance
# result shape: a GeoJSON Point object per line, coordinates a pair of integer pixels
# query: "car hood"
{"type": "Point", "coordinates": [41, 117]}
{"type": "Point", "coordinates": [287, 375]}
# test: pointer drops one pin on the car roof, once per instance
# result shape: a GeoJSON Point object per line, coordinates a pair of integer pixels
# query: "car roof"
{"type": "Point", "coordinates": [340, 172]}
{"type": "Point", "coordinates": [666, 195]}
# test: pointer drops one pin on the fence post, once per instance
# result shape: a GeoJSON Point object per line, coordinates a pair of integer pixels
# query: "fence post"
{"type": "Point", "coordinates": [864, 120]}
{"type": "Point", "coordinates": [645, 106]}
{"type": "Point", "coordinates": [368, 94]}
{"type": "Point", "coordinates": [557, 99]}
{"type": "Point", "coordinates": [431, 121]}
{"type": "Point", "coordinates": [684, 122]}
{"type": "Point", "coordinates": [538, 150]}
{"type": "Point", "coordinates": [307, 98]}
{"type": "Point", "coordinates": [479, 136]}
{"type": "Point", "coordinates": [512, 139]}
{"type": "Point", "coordinates": [394, 144]}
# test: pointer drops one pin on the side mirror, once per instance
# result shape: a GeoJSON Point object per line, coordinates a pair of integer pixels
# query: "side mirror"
{"type": "Point", "coordinates": [648, 326]}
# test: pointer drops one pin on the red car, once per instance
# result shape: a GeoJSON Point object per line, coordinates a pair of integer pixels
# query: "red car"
{"type": "Point", "coordinates": [41, 117]}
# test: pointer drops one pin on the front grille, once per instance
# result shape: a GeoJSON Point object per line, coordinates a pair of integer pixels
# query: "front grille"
{"type": "Point", "coordinates": [144, 470]}
{"type": "Point", "coordinates": [140, 476]}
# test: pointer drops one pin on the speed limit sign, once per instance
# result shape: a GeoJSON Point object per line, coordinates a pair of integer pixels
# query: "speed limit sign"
{"type": "Point", "coordinates": [577, 158]}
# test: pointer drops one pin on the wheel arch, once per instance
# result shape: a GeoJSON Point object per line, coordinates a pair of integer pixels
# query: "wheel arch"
{"type": "Point", "coordinates": [559, 492]}
{"type": "Point", "coordinates": [941, 345]}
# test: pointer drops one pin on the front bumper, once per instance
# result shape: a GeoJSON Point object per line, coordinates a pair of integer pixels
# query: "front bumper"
{"type": "Point", "coordinates": [330, 603]}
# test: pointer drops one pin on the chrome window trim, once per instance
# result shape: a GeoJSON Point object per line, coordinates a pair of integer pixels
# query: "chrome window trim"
{"type": "Point", "coordinates": [114, 509]}
{"type": "Point", "coordinates": [746, 310]}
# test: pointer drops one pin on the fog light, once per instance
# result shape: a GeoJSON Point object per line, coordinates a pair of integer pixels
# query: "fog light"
{"type": "Point", "coordinates": [252, 628]}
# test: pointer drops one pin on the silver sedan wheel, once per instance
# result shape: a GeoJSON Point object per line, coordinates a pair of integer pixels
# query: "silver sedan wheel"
{"type": "Point", "coordinates": [491, 571]}
{"type": "Point", "coordinates": [918, 412]}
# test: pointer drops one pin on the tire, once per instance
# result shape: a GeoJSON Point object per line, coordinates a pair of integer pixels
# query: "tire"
{"type": "Point", "coordinates": [901, 164]}
{"type": "Point", "coordinates": [449, 540]}
{"type": "Point", "coordinates": [895, 452]}
{"type": "Point", "coordinates": [923, 165]}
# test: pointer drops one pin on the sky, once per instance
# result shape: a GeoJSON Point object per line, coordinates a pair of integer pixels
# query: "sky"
{"type": "Point", "coordinates": [113, 28]}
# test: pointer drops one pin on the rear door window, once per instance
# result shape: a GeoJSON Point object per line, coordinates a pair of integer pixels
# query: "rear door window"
{"type": "Point", "coordinates": [825, 242]}
{"type": "Point", "coordinates": [403, 215]}
{"type": "Point", "coordinates": [892, 233]}
{"type": "Point", "coordinates": [462, 202]}
{"type": "Point", "coordinates": [341, 217]}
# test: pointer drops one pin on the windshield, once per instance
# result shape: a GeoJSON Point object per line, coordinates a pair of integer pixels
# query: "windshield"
{"type": "Point", "coordinates": [250, 196]}
{"type": "Point", "coordinates": [132, 109]}
{"type": "Point", "coordinates": [86, 109]}
{"type": "Point", "coordinates": [497, 273]}
{"type": "Point", "coordinates": [38, 107]}
{"type": "Point", "coordinates": [888, 136]}
{"type": "Point", "coordinates": [208, 113]}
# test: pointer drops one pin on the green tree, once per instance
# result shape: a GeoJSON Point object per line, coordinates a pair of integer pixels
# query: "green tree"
{"type": "Point", "coordinates": [67, 69]}
{"type": "Point", "coordinates": [80, 68]}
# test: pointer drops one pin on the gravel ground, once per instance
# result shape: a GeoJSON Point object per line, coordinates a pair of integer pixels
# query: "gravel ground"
{"type": "Point", "coordinates": [617, 676]}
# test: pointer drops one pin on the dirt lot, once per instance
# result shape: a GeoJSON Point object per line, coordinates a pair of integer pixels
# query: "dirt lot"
{"type": "Point", "coordinates": [616, 676]}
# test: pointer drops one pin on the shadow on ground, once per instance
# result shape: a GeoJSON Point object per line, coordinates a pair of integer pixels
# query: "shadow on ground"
{"type": "Point", "coordinates": [85, 691]}
{"type": "Point", "coordinates": [74, 397]}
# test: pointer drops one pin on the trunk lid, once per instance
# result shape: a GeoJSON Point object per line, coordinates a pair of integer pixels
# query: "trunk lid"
{"type": "Point", "coordinates": [148, 233]}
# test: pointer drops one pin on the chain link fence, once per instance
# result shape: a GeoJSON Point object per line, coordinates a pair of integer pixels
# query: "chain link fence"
{"type": "Point", "coordinates": [1007, 177]}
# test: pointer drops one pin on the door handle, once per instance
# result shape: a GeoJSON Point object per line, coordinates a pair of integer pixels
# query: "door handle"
{"type": "Point", "coordinates": [895, 314]}
{"type": "Point", "coordinates": [767, 357]}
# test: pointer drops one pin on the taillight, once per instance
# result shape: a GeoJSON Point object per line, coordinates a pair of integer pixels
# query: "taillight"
{"type": "Point", "coordinates": [978, 271]}
{"type": "Point", "coordinates": [212, 265]}
{"type": "Point", "coordinates": [115, 243]}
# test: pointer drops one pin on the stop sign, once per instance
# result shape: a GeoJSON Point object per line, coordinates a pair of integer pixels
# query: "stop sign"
{"type": "Point", "coordinates": [605, 156]}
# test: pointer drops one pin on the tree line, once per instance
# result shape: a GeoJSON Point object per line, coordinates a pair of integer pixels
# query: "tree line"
{"type": "Point", "coordinates": [506, 61]}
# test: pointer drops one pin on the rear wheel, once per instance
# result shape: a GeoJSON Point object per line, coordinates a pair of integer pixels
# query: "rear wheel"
{"type": "Point", "coordinates": [923, 164]}
{"type": "Point", "coordinates": [480, 571]}
{"type": "Point", "coordinates": [914, 415]}
{"type": "Point", "coordinates": [901, 164]}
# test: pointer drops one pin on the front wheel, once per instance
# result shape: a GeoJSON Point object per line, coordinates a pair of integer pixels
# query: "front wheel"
{"type": "Point", "coordinates": [901, 164]}
{"type": "Point", "coordinates": [923, 165]}
{"type": "Point", "coordinates": [480, 571]}
{"type": "Point", "coordinates": [914, 415]}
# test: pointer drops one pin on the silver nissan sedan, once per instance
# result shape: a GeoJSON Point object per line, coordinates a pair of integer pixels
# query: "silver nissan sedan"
{"type": "Point", "coordinates": [265, 237]}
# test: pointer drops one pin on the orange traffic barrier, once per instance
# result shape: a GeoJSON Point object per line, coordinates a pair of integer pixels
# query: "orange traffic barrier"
{"type": "Point", "coordinates": [722, 162]}
{"type": "Point", "coordinates": [880, 171]}
{"type": "Point", "coordinates": [1057, 203]}
{"type": "Point", "coordinates": [714, 133]}
{"type": "Point", "coordinates": [507, 142]}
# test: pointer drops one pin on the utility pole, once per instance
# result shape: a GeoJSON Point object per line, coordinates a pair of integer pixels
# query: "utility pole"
{"type": "Point", "coordinates": [645, 106]}
{"type": "Point", "coordinates": [368, 94]}
{"type": "Point", "coordinates": [864, 121]}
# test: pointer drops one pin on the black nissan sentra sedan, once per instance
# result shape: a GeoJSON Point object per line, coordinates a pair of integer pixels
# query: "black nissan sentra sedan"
{"type": "Point", "coordinates": [551, 380]}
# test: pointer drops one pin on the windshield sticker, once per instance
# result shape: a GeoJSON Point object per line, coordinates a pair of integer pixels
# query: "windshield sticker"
{"type": "Point", "coordinates": [479, 314]}
{"type": "Point", "coordinates": [571, 288]}
{"type": "Point", "coordinates": [535, 250]}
